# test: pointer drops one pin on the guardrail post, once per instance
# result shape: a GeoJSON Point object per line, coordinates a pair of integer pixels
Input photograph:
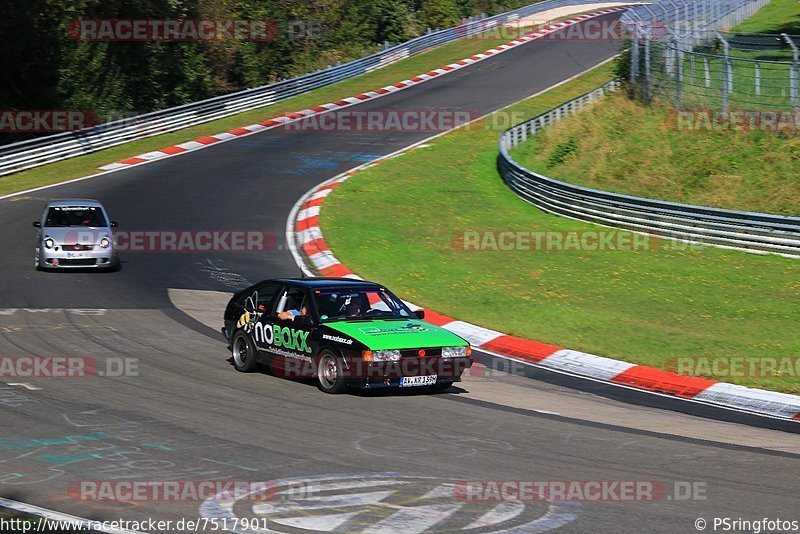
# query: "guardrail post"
{"type": "Point", "coordinates": [725, 71]}
{"type": "Point", "coordinates": [793, 73]}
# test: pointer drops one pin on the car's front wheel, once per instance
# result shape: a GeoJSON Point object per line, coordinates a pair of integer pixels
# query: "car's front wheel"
{"type": "Point", "coordinates": [330, 375]}
{"type": "Point", "coordinates": [244, 354]}
{"type": "Point", "coordinates": [36, 262]}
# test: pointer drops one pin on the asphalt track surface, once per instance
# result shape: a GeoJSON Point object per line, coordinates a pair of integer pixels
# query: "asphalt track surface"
{"type": "Point", "coordinates": [189, 416]}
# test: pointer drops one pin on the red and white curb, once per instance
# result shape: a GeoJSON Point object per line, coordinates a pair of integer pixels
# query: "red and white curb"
{"type": "Point", "coordinates": [203, 142]}
{"type": "Point", "coordinates": [313, 255]}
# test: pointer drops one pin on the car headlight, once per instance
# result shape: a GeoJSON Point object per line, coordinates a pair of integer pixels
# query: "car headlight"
{"type": "Point", "coordinates": [49, 243]}
{"type": "Point", "coordinates": [385, 355]}
{"type": "Point", "coordinates": [454, 352]}
{"type": "Point", "coordinates": [105, 242]}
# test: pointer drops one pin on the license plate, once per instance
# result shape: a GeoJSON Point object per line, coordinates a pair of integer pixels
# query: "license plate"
{"type": "Point", "coordinates": [407, 381]}
{"type": "Point", "coordinates": [76, 254]}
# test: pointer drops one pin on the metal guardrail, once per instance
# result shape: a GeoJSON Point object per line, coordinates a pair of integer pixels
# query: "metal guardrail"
{"type": "Point", "coordinates": [750, 231]}
{"type": "Point", "coordinates": [40, 151]}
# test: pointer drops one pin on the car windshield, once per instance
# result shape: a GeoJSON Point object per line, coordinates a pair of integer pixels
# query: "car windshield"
{"type": "Point", "coordinates": [75, 216]}
{"type": "Point", "coordinates": [359, 304]}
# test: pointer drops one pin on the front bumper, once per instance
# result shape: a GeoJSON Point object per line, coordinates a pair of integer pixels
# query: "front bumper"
{"type": "Point", "coordinates": [390, 374]}
{"type": "Point", "coordinates": [58, 258]}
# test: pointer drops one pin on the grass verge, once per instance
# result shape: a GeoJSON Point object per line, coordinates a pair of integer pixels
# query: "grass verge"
{"type": "Point", "coordinates": [623, 146]}
{"type": "Point", "coordinates": [779, 16]}
{"type": "Point", "coordinates": [407, 68]}
{"type": "Point", "coordinates": [397, 222]}
{"type": "Point", "coordinates": [626, 147]}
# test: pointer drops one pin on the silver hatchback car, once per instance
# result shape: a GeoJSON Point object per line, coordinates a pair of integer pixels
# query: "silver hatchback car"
{"type": "Point", "coordinates": [75, 233]}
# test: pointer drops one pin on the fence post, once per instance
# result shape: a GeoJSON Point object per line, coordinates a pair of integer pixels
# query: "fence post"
{"type": "Point", "coordinates": [634, 53]}
{"type": "Point", "coordinates": [757, 75]}
{"type": "Point", "coordinates": [647, 71]}
{"type": "Point", "coordinates": [725, 72]}
{"type": "Point", "coordinates": [678, 73]}
{"type": "Point", "coordinates": [793, 73]}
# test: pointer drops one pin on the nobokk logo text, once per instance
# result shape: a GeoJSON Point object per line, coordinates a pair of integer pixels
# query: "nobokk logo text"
{"type": "Point", "coordinates": [278, 336]}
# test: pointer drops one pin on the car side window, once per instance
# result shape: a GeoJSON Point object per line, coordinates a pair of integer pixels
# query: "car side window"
{"type": "Point", "coordinates": [260, 300]}
{"type": "Point", "coordinates": [290, 298]}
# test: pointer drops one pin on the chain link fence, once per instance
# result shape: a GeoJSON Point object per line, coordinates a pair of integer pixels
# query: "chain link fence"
{"type": "Point", "coordinates": [696, 62]}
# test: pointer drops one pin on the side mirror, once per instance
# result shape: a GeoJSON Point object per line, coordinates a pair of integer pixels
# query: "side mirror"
{"type": "Point", "coordinates": [420, 314]}
{"type": "Point", "coordinates": [113, 224]}
{"type": "Point", "coordinates": [37, 224]}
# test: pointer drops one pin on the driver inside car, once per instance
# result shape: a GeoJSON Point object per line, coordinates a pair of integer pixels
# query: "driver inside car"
{"type": "Point", "coordinates": [291, 313]}
{"type": "Point", "coordinates": [353, 309]}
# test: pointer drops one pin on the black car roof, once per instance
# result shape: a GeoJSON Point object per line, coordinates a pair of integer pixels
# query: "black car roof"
{"type": "Point", "coordinates": [325, 283]}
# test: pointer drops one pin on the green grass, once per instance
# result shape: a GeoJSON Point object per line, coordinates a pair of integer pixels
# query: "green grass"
{"type": "Point", "coordinates": [630, 148]}
{"type": "Point", "coordinates": [396, 223]}
{"type": "Point", "coordinates": [779, 16]}
{"type": "Point", "coordinates": [88, 164]}
{"type": "Point", "coordinates": [773, 92]}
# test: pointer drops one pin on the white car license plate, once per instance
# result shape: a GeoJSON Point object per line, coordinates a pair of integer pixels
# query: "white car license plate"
{"type": "Point", "coordinates": [76, 255]}
{"type": "Point", "coordinates": [407, 381]}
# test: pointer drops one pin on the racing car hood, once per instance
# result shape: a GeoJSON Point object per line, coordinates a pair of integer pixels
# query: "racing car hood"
{"type": "Point", "coordinates": [409, 334]}
{"type": "Point", "coordinates": [73, 234]}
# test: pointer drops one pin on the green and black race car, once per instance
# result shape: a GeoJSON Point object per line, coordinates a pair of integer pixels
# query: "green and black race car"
{"type": "Point", "coordinates": [342, 332]}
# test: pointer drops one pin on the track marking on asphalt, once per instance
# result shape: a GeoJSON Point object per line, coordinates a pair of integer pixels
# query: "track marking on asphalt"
{"type": "Point", "coordinates": [385, 502]}
{"type": "Point", "coordinates": [53, 515]}
{"type": "Point", "coordinates": [70, 311]}
{"type": "Point", "coordinates": [26, 385]}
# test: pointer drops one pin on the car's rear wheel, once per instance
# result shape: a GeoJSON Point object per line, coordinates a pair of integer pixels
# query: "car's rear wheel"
{"type": "Point", "coordinates": [244, 354]}
{"type": "Point", "coordinates": [330, 376]}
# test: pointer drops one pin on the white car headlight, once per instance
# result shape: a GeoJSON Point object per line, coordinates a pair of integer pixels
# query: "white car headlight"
{"type": "Point", "coordinates": [105, 242]}
{"type": "Point", "coordinates": [454, 352]}
{"type": "Point", "coordinates": [385, 355]}
{"type": "Point", "coordinates": [49, 243]}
